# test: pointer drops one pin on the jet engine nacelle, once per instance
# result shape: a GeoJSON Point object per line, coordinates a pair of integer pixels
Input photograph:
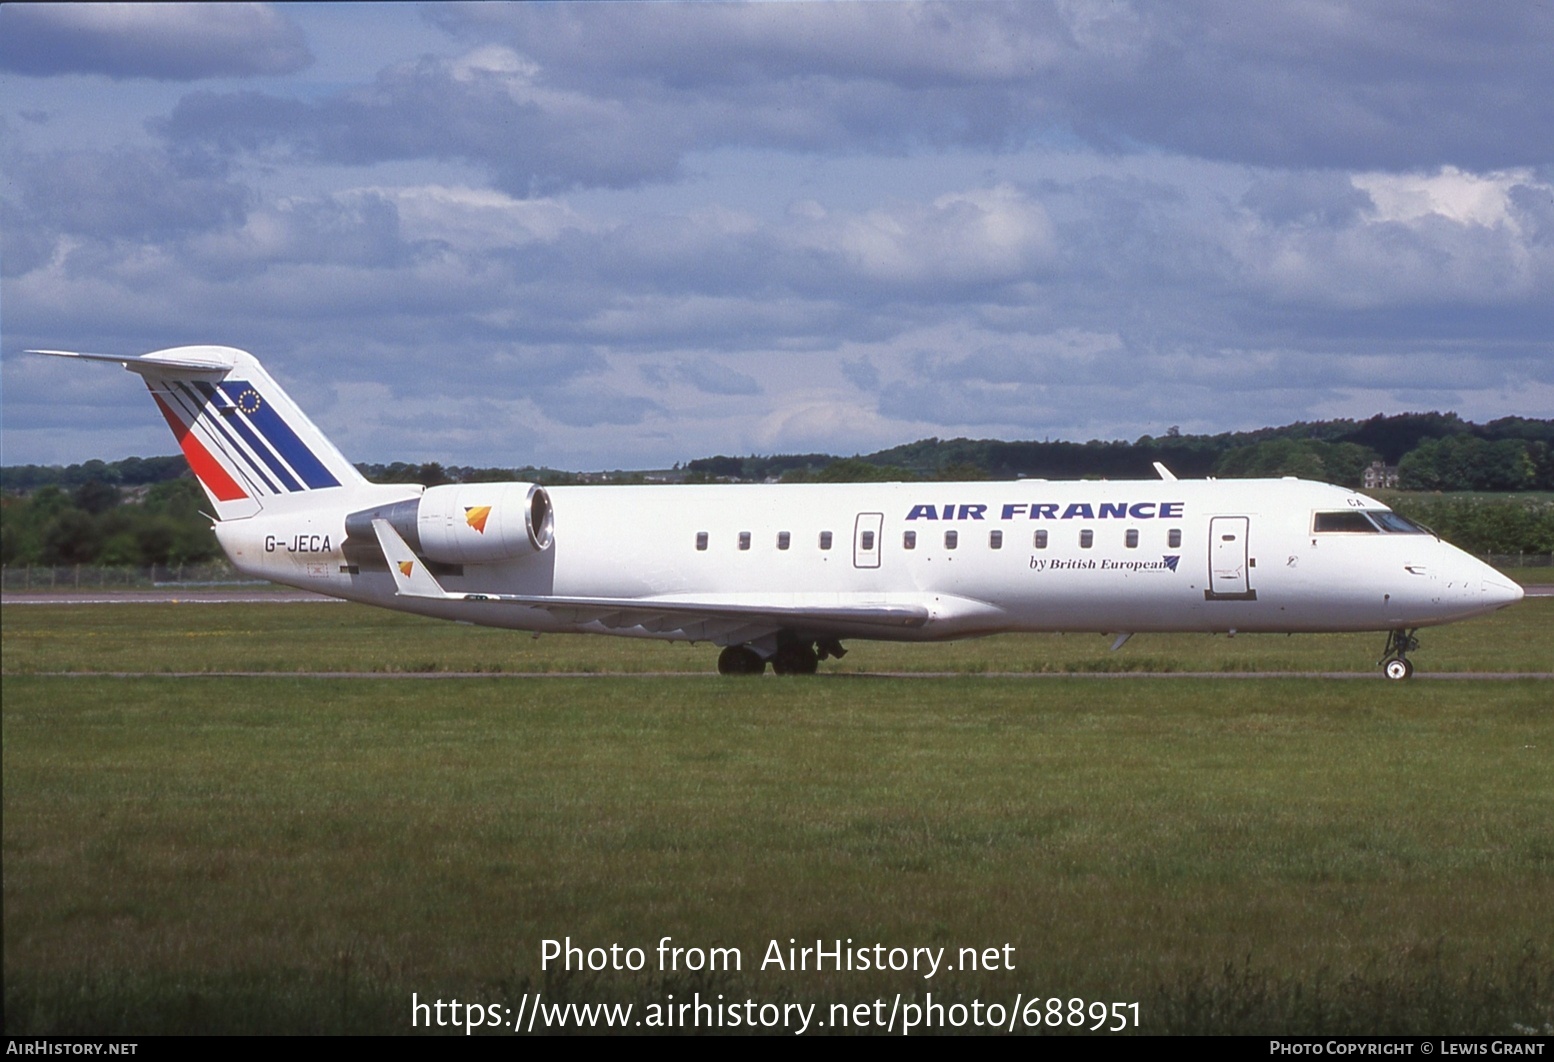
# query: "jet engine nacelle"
{"type": "Point", "coordinates": [466, 523]}
{"type": "Point", "coordinates": [476, 523]}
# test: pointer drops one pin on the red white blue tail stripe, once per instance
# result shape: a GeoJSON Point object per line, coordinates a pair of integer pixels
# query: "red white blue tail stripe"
{"type": "Point", "coordinates": [248, 430]}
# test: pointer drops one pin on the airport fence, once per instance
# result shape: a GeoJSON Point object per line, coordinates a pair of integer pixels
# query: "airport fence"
{"type": "Point", "coordinates": [37, 577]}
{"type": "Point", "coordinates": [1518, 560]}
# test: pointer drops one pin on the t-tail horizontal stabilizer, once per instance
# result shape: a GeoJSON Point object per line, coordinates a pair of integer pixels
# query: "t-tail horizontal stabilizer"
{"type": "Point", "coordinates": [411, 577]}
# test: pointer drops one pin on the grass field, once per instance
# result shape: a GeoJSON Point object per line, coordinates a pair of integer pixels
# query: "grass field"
{"type": "Point", "coordinates": [290, 854]}
{"type": "Point", "coordinates": [342, 637]}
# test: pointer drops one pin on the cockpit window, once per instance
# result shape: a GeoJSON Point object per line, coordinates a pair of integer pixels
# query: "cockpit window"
{"type": "Point", "coordinates": [1391, 521]}
{"type": "Point", "coordinates": [1348, 520]}
{"type": "Point", "coordinates": [1367, 521]}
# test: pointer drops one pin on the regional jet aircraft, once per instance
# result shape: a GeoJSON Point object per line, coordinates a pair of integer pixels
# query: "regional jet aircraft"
{"type": "Point", "coordinates": [781, 574]}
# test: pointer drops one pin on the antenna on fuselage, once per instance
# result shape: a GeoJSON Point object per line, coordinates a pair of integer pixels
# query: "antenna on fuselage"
{"type": "Point", "coordinates": [1165, 473]}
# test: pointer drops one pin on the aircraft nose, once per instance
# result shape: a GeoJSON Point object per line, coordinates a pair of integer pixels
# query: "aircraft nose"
{"type": "Point", "coordinates": [1499, 591]}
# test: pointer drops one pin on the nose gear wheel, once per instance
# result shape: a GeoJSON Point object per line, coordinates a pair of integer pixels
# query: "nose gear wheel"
{"type": "Point", "coordinates": [1394, 659]}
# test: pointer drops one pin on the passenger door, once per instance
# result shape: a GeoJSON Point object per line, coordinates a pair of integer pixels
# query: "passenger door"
{"type": "Point", "coordinates": [1229, 560]}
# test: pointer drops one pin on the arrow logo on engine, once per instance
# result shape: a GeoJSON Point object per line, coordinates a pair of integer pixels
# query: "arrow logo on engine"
{"type": "Point", "coordinates": [475, 516]}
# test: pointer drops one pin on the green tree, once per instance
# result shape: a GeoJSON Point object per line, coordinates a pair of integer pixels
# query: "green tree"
{"type": "Point", "coordinates": [957, 471]}
{"type": "Point", "coordinates": [95, 497]}
{"type": "Point", "coordinates": [857, 470]}
{"type": "Point", "coordinates": [72, 537]}
{"type": "Point", "coordinates": [1315, 459]}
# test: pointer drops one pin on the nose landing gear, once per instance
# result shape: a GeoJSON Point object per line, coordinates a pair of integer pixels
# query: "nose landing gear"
{"type": "Point", "coordinates": [1394, 660]}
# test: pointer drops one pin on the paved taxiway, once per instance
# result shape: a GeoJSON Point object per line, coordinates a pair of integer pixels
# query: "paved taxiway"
{"type": "Point", "coordinates": [822, 677]}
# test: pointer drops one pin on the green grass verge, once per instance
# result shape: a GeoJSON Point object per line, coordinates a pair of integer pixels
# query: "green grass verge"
{"type": "Point", "coordinates": [341, 637]}
{"type": "Point", "coordinates": [294, 855]}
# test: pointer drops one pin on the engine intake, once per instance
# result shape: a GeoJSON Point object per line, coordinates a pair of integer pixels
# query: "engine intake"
{"type": "Point", "coordinates": [466, 523]}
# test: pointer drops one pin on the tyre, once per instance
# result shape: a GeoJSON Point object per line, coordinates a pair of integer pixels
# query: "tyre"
{"type": "Point", "coordinates": [796, 658]}
{"type": "Point", "coordinates": [740, 660]}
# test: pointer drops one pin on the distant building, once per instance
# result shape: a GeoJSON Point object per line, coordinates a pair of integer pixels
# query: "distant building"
{"type": "Point", "coordinates": [1379, 476]}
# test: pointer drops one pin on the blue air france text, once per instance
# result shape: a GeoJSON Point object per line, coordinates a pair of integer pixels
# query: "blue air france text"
{"type": "Point", "coordinates": [1147, 510]}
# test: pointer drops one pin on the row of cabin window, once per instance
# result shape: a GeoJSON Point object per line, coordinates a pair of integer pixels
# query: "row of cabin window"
{"type": "Point", "coordinates": [995, 539]}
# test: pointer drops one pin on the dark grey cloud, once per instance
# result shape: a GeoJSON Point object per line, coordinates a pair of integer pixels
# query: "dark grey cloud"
{"type": "Point", "coordinates": [164, 42]}
{"type": "Point", "coordinates": [1324, 198]}
{"type": "Point", "coordinates": [587, 407]}
{"type": "Point", "coordinates": [116, 194]}
{"type": "Point", "coordinates": [1390, 85]}
{"type": "Point", "coordinates": [715, 378]}
{"type": "Point", "coordinates": [1394, 84]}
{"type": "Point", "coordinates": [861, 373]}
{"type": "Point", "coordinates": [539, 127]}
{"type": "Point", "coordinates": [698, 47]}
{"type": "Point", "coordinates": [359, 230]}
{"type": "Point", "coordinates": [530, 141]}
{"type": "Point", "coordinates": [558, 96]}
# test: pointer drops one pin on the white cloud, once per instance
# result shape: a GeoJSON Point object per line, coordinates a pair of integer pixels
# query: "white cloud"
{"type": "Point", "coordinates": [1452, 236]}
{"type": "Point", "coordinates": [494, 59]}
{"type": "Point", "coordinates": [989, 234]}
{"type": "Point", "coordinates": [479, 218]}
{"type": "Point", "coordinates": [1466, 198]}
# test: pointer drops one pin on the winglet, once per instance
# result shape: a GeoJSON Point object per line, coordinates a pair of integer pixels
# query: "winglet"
{"type": "Point", "coordinates": [1165, 473]}
{"type": "Point", "coordinates": [411, 577]}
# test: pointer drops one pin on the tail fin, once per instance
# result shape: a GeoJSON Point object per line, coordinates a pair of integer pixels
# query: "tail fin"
{"type": "Point", "coordinates": [245, 439]}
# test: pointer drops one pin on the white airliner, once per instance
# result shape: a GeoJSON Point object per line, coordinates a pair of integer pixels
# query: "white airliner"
{"type": "Point", "coordinates": [782, 574]}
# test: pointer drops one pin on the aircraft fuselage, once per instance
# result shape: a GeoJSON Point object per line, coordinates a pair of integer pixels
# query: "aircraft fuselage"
{"type": "Point", "coordinates": [1031, 555]}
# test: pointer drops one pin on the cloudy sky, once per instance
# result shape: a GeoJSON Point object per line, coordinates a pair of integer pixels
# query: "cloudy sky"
{"type": "Point", "coordinates": [625, 235]}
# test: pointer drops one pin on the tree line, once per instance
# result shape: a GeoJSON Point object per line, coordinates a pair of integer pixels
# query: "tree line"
{"type": "Point", "coordinates": [1431, 451]}
{"type": "Point", "coordinates": [101, 524]}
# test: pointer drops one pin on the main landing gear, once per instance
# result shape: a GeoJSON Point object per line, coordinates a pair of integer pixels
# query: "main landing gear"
{"type": "Point", "coordinates": [794, 657]}
{"type": "Point", "coordinates": [1394, 660]}
{"type": "Point", "coordinates": [740, 660]}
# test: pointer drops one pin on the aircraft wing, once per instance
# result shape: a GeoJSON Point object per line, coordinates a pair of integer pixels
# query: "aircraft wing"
{"type": "Point", "coordinates": [699, 620]}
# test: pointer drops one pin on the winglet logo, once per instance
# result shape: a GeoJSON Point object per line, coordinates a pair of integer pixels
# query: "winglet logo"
{"type": "Point", "coordinates": [475, 516]}
{"type": "Point", "coordinates": [1171, 560]}
{"type": "Point", "coordinates": [405, 568]}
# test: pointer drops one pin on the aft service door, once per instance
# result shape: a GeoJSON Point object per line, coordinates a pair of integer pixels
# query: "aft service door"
{"type": "Point", "coordinates": [866, 540]}
{"type": "Point", "coordinates": [1229, 560]}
